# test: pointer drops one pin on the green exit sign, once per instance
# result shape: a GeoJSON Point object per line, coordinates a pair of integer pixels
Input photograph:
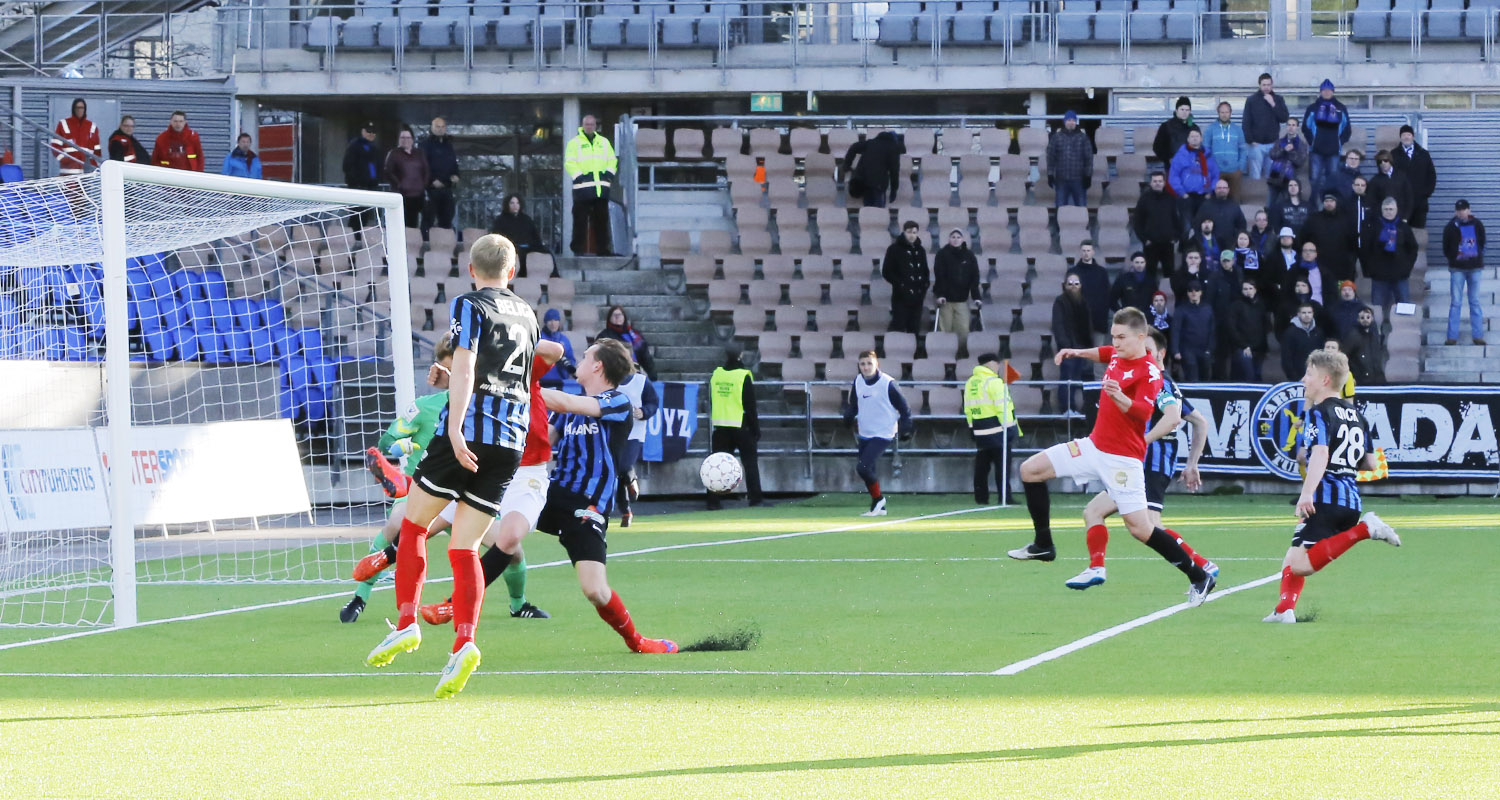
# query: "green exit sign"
{"type": "Point", "coordinates": [767, 102]}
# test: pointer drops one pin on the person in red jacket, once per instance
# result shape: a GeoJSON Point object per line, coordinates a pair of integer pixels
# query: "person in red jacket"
{"type": "Point", "coordinates": [76, 140]}
{"type": "Point", "coordinates": [178, 147]}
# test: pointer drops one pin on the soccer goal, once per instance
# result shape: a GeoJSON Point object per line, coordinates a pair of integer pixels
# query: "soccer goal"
{"type": "Point", "coordinates": [191, 367]}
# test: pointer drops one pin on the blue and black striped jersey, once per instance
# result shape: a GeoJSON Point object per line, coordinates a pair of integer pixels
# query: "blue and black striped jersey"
{"type": "Point", "coordinates": [1161, 455]}
{"type": "Point", "coordinates": [585, 460]}
{"type": "Point", "coordinates": [501, 330]}
{"type": "Point", "coordinates": [1337, 425]}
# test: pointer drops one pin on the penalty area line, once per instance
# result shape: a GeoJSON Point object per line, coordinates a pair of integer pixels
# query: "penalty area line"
{"type": "Point", "coordinates": [517, 672]}
{"type": "Point", "coordinates": [1110, 633]}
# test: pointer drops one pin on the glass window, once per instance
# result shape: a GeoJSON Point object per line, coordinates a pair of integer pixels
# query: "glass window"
{"type": "Point", "coordinates": [1412, 100]}
{"type": "Point", "coordinates": [1487, 101]}
{"type": "Point", "coordinates": [1125, 104]}
{"type": "Point", "coordinates": [1447, 100]}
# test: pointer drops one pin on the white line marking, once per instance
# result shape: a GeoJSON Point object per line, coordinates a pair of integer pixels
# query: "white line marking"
{"type": "Point", "coordinates": [521, 672]}
{"type": "Point", "coordinates": [642, 551]}
{"type": "Point", "coordinates": [1001, 559]}
{"type": "Point", "coordinates": [1109, 633]}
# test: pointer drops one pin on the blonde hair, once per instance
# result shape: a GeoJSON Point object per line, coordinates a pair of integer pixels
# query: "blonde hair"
{"type": "Point", "coordinates": [1333, 364]}
{"type": "Point", "coordinates": [493, 257]}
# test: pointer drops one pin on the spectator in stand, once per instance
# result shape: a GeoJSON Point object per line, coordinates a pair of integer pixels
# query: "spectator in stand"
{"type": "Point", "coordinates": [1343, 180]}
{"type": "Point", "coordinates": [1194, 333]}
{"type": "Point", "coordinates": [1095, 286]}
{"type": "Point", "coordinates": [552, 331]}
{"type": "Point", "coordinates": [1070, 162]}
{"type": "Point", "coordinates": [242, 162]}
{"type": "Point", "coordinates": [617, 326]}
{"type": "Point", "coordinates": [955, 283]}
{"type": "Point", "coordinates": [1413, 161]}
{"type": "Point", "coordinates": [1247, 331]}
{"type": "Point", "coordinates": [1220, 288]}
{"type": "Point", "coordinates": [1361, 207]}
{"type": "Point", "coordinates": [1173, 133]}
{"type": "Point", "coordinates": [1253, 266]}
{"type": "Point", "coordinates": [905, 269]}
{"type": "Point", "coordinates": [1134, 287]}
{"type": "Point", "coordinates": [1388, 183]}
{"type": "Point", "coordinates": [362, 160]}
{"type": "Point", "coordinates": [1299, 339]}
{"type": "Point", "coordinates": [178, 147]}
{"type": "Point", "coordinates": [1072, 329]}
{"type": "Point", "coordinates": [1192, 270]}
{"type": "Point", "coordinates": [1226, 142]}
{"type": "Point", "coordinates": [1205, 238]}
{"type": "Point", "coordinates": [1366, 350]}
{"type": "Point", "coordinates": [123, 146]}
{"type": "Point", "coordinates": [513, 223]}
{"type": "Point", "coordinates": [442, 173]}
{"type": "Point", "coordinates": [75, 141]}
{"type": "Point", "coordinates": [1193, 175]}
{"type": "Point", "coordinates": [1158, 226]}
{"type": "Point", "coordinates": [1389, 254]}
{"type": "Point", "coordinates": [1326, 125]}
{"type": "Point", "coordinates": [1289, 210]}
{"type": "Point", "coordinates": [1264, 114]}
{"type": "Point", "coordinates": [878, 172]}
{"type": "Point", "coordinates": [1329, 230]}
{"type": "Point", "coordinates": [406, 171]}
{"type": "Point", "coordinates": [1286, 255]}
{"type": "Point", "coordinates": [1228, 217]}
{"type": "Point", "coordinates": [1262, 235]}
{"type": "Point", "coordinates": [1299, 294]}
{"type": "Point", "coordinates": [1310, 270]}
{"type": "Point", "coordinates": [1345, 310]}
{"type": "Point", "coordinates": [590, 163]}
{"type": "Point", "coordinates": [1288, 154]}
{"type": "Point", "coordinates": [1463, 246]}
{"type": "Point", "coordinates": [1161, 319]}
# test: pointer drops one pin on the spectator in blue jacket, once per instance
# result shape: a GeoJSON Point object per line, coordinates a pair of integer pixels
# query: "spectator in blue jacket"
{"type": "Point", "coordinates": [1326, 126]}
{"type": "Point", "coordinates": [242, 162]}
{"type": "Point", "coordinates": [1193, 336]}
{"type": "Point", "coordinates": [1226, 142]}
{"type": "Point", "coordinates": [552, 331]}
{"type": "Point", "coordinates": [1192, 176]}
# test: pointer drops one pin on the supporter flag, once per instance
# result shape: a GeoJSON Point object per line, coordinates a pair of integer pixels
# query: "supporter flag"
{"type": "Point", "coordinates": [675, 422]}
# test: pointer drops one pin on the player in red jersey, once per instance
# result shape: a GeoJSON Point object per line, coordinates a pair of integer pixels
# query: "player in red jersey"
{"type": "Point", "coordinates": [1112, 454]}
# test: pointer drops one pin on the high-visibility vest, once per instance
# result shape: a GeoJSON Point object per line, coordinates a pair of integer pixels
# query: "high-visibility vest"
{"type": "Point", "coordinates": [726, 391]}
{"type": "Point", "coordinates": [592, 164]}
{"type": "Point", "coordinates": [987, 406]}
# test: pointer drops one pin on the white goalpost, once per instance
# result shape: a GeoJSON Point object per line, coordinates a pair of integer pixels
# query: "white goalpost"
{"type": "Point", "coordinates": [191, 367]}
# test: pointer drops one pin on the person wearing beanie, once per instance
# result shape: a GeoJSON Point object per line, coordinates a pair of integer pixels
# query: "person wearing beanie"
{"type": "Point", "coordinates": [1365, 347]}
{"type": "Point", "coordinates": [1345, 309]}
{"type": "Point", "coordinates": [736, 422]}
{"type": "Point", "coordinates": [1261, 120]}
{"type": "Point", "coordinates": [992, 422]}
{"type": "Point", "coordinates": [1226, 143]}
{"type": "Point", "coordinates": [955, 283]}
{"type": "Point", "coordinates": [1070, 162]}
{"type": "Point", "coordinates": [552, 331]}
{"type": "Point", "coordinates": [1326, 126]}
{"type": "Point", "coordinates": [1413, 161]}
{"type": "Point", "coordinates": [1173, 133]}
{"type": "Point", "coordinates": [1221, 287]}
{"type": "Point", "coordinates": [1463, 246]}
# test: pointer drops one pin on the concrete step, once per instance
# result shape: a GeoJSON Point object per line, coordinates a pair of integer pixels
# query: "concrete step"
{"type": "Point", "coordinates": [1437, 274]}
{"type": "Point", "coordinates": [683, 352]}
{"type": "Point", "coordinates": [1453, 364]}
{"type": "Point", "coordinates": [1434, 343]}
{"type": "Point", "coordinates": [591, 263]}
{"type": "Point", "coordinates": [1454, 377]}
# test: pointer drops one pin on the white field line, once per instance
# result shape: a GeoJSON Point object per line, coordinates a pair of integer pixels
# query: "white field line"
{"type": "Point", "coordinates": [1109, 633]}
{"type": "Point", "coordinates": [642, 551]}
{"type": "Point", "coordinates": [945, 559]}
{"type": "Point", "coordinates": [522, 672]}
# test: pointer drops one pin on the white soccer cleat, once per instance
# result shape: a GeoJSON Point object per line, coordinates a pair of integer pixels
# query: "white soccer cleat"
{"type": "Point", "coordinates": [461, 665]}
{"type": "Point", "coordinates": [1198, 592]}
{"type": "Point", "coordinates": [1093, 576]}
{"type": "Point", "coordinates": [1380, 530]}
{"type": "Point", "coordinates": [395, 643]}
{"type": "Point", "coordinates": [877, 509]}
{"type": "Point", "coordinates": [1288, 617]}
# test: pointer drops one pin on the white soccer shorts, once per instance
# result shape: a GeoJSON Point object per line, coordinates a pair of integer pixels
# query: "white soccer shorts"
{"type": "Point", "coordinates": [1124, 478]}
{"type": "Point", "coordinates": [527, 494]}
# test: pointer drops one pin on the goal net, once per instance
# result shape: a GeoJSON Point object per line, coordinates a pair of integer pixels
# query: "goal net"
{"type": "Point", "coordinates": [191, 368]}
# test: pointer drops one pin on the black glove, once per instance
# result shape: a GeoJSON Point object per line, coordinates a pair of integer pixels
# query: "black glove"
{"type": "Point", "coordinates": [905, 433]}
{"type": "Point", "coordinates": [1087, 181]}
{"type": "Point", "coordinates": [1050, 184]}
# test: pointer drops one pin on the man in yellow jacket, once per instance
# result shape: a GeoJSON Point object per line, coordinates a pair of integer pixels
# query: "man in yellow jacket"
{"type": "Point", "coordinates": [590, 162]}
{"type": "Point", "coordinates": [991, 416]}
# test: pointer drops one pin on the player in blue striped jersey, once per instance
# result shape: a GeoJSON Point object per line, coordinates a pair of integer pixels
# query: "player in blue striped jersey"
{"type": "Point", "coordinates": [1336, 445]}
{"type": "Point", "coordinates": [584, 479]}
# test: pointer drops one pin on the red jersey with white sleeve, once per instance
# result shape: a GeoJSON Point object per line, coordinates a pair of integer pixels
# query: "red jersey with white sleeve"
{"type": "Point", "coordinates": [538, 448]}
{"type": "Point", "coordinates": [1123, 433]}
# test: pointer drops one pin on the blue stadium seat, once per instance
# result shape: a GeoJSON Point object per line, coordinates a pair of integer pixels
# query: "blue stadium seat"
{"type": "Point", "coordinates": [322, 388]}
{"type": "Point", "coordinates": [1148, 20]}
{"type": "Point", "coordinates": [1074, 22]}
{"type": "Point", "coordinates": [618, 26]}
{"type": "Point", "coordinates": [1008, 23]}
{"type": "Point", "coordinates": [482, 20]}
{"type": "Point", "coordinates": [26, 342]}
{"type": "Point", "coordinates": [363, 31]}
{"type": "Point", "coordinates": [1406, 17]}
{"type": "Point", "coordinates": [294, 380]}
{"type": "Point", "coordinates": [214, 285]}
{"type": "Point", "coordinates": [444, 29]}
{"type": "Point", "coordinates": [689, 25]}
{"type": "Point", "coordinates": [1109, 23]}
{"type": "Point", "coordinates": [1370, 20]}
{"type": "Point", "coordinates": [11, 173]}
{"type": "Point", "coordinates": [714, 26]}
{"type": "Point", "coordinates": [557, 17]}
{"type": "Point", "coordinates": [1445, 21]}
{"type": "Point", "coordinates": [223, 315]}
{"type": "Point", "coordinates": [899, 24]}
{"type": "Point", "coordinates": [409, 14]}
{"type": "Point", "coordinates": [1182, 20]}
{"type": "Point", "coordinates": [10, 316]}
{"type": "Point", "coordinates": [513, 31]}
{"type": "Point", "coordinates": [323, 31]}
{"type": "Point", "coordinates": [969, 24]}
{"type": "Point", "coordinates": [936, 20]}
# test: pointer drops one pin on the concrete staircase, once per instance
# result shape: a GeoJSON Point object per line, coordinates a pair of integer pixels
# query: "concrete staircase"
{"type": "Point", "coordinates": [679, 210]}
{"type": "Point", "coordinates": [1461, 363]}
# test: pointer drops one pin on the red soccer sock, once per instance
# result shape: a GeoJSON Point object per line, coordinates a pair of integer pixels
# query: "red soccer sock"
{"type": "Point", "coordinates": [411, 571]}
{"type": "Point", "coordinates": [874, 490]}
{"type": "Point", "coordinates": [468, 594]}
{"type": "Point", "coordinates": [1197, 559]}
{"type": "Point", "coordinates": [618, 617]}
{"type": "Point", "coordinates": [1291, 589]}
{"type": "Point", "coordinates": [1097, 538]}
{"type": "Point", "coordinates": [1323, 553]}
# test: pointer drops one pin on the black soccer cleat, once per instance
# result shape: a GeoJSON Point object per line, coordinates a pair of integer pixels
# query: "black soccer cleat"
{"type": "Point", "coordinates": [529, 611]}
{"type": "Point", "coordinates": [351, 612]}
{"type": "Point", "coordinates": [1198, 592]}
{"type": "Point", "coordinates": [1031, 553]}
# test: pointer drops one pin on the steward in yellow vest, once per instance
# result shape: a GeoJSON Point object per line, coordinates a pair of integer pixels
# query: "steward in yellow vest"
{"type": "Point", "coordinates": [731, 396]}
{"type": "Point", "coordinates": [991, 416]}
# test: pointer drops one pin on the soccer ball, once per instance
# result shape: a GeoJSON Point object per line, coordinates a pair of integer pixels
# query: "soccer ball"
{"type": "Point", "coordinates": [720, 473]}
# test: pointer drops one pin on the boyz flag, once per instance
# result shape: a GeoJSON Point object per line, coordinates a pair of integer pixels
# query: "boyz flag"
{"type": "Point", "coordinates": [675, 422]}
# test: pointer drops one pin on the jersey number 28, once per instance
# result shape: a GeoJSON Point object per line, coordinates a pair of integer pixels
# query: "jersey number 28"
{"type": "Point", "coordinates": [1351, 448]}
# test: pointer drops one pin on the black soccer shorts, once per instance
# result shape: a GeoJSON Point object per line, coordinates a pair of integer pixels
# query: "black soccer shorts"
{"type": "Point", "coordinates": [440, 474]}
{"type": "Point", "coordinates": [572, 518]}
{"type": "Point", "coordinates": [1327, 520]}
{"type": "Point", "coordinates": [1156, 489]}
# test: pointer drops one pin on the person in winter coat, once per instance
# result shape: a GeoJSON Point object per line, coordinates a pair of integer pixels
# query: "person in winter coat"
{"type": "Point", "coordinates": [1285, 255]}
{"type": "Point", "coordinates": [406, 171]}
{"type": "Point", "coordinates": [1192, 271]}
{"type": "Point", "coordinates": [1158, 226]}
{"type": "Point", "coordinates": [1348, 171]}
{"type": "Point", "coordinates": [442, 171]}
{"type": "Point", "coordinates": [1228, 217]}
{"type": "Point", "coordinates": [242, 162]}
{"type": "Point", "coordinates": [905, 269]}
{"type": "Point", "coordinates": [1326, 126]}
{"type": "Point", "coordinates": [1070, 162]}
{"type": "Point", "coordinates": [877, 176]}
{"type": "Point", "coordinates": [1072, 329]}
{"type": "Point", "coordinates": [362, 162]}
{"type": "Point", "coordinates": [1299, 293]}
{"type": "Point", "coordinates": [1226, 143]}
{"type": "Point", "coordinates": [1253, 265]}
{"type": "Point", "coordinates": [1095, 286]}
{"type": "Point", "coordinates": [1158, 317]}
{"type": "Point", "coordinates": [1366, 350]}
{"type": "Point", "coordinates": [1220, 288]}
{"type": "Point", "coordinates": [1413, 161]}
{"type": "Point", "coordinates": [955, 283]}
{"type": "Point", "coordinates": [1264, 115]}
{"type": "Point", "coordinates": [1310, 270]}
{"type": "Point", "coordinates": [1262, 235]}
{"type": "Point", "coordinates": [1194, 333]}
{"type": "Point", "coordinates": [1193, 175]}
{"type": "Point", "coordinates": [123, 146]}
{"type": "Point", "coordinates": [1299, 339]}
{"type": "Point", "coordinates": [1389, 183]}
{"type": "Point", "coordinates": [513, 223]}
{"type": "Point", "coordinates": [1290, 210]}
{"type": "Point", "coordinates": [1328, 229]}
{"type": "Point", "coordinates": [1345, 310]}
{"type": "Point", "coordinates": [1205, 238]}
{"type": "Point", "coordinates": [617, 326]}
{"type": "Point", "coordinates": [1134, 287]}
{"type": "Point", "coordinates": [1246, 332]}
{"type": "Point", "coordinates": [1389, 252]}
{"type": "Point", "coordinates": [1463, 246]}
{"type": "Point", "coordinates": [552, 331]}
{"type": "Point", "coordinates": [178, 147]}
{"type": "Point", "coordinates": [1173, 134]}
{"type": "Point", "coordinates": [75, 141]}
{"type": "Point", "coordinates": [1288, 155]}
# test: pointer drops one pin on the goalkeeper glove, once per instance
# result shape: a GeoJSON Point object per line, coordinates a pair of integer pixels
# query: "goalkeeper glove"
{"type": "Point", "coordinates": [402, 448]}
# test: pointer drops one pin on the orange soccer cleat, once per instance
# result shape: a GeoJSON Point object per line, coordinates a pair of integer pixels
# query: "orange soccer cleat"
{"type": "Point", "coordinates": [370, 566]}
{"type": "Point", "coordinates": [438, 613]}
{"type": "Point", "coordinates": [644, 645]}
{"type": "Point", "coordinates": [386, 474]}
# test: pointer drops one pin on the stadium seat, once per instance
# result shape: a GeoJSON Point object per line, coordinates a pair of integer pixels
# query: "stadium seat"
{"type": "Point", "coordinates": [362, 31]}
{"type": "Point", "coordinates": [409, 14]}
{"type": "Point", "coordinates": [1148, 21]}
{"type": "Point", "coordinates": [687, 144]}
{"type": "Point", "coordinates": [1405, 18]}
{"type": "Point", "coordinates": [443, 30]}
{"type": "Point", "coordinates": [898, 25]}
{"type": "Point", "coordinates": [1370, 20]}
{"type": "Point", "coordinates": [727, 142]}
{"type": "Point", "coordinates": [1075, 22]}
{"type": "Point", "coordinates": [1445, 21]}
{"type": "Point", "coordinates": [513, 31]}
